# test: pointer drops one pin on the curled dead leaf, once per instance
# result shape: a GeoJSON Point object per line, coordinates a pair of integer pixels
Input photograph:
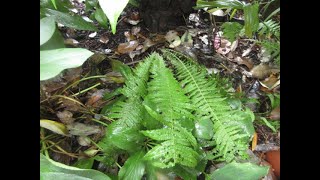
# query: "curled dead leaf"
{"type": "Point", "coordinates": [254, 141]}
{"type": "Point", "coordinates": [135, 30]}
{"type": "Point", "coordinates": [104, 39]}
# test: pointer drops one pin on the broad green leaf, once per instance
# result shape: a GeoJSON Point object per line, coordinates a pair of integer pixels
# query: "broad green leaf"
{"type": "Point", "coordinates": [113, 10]}
{"type": "Point", "coordinates": [133, 168]}
{"type": "Point", "coordinates": [239, 171]}
{"type": "Point", "coordinates": [54, 3]}
{"type": "Point", "coordinates": [85, 163]}
{"type": "Point", "coordinates": [51, 170]}
{"type": "Point", "coordinates": [60, 5]}
{"type": "Point", "coordinates": [134, 3]}
{"type": "Point", "coordinates": [55, 42]}
{"type": "Point", "coordinates": [75, 21]}
{"type": "Point", "coordinates": [52, 62]}
{"type": "Point", "coordinates": [251, 19]}
{"type": "Point", "coordinates": [235, 4]}
{"type": "Point", "coordinates": [90, 4]}
{"type": "Point", "coordinates": [47, 28]}
{"type": "Point", "coordinates": [54, 126]}
{"type": "Point", "coordinates": [101, 18]}
{"type": "Point", "coordinates": [203, 129]}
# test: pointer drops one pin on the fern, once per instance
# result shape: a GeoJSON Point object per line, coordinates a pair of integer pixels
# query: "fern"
{"type": "Point", "coordinates": [273, 48]}
{"type": "Point", "coordinates": [124, 132]}
{"type": "Point", "coordinates": [173, 107]}
{"type": "Point", "coordinates": [231, 139]}
{"type": "Point", "coordinates": [269, 28]}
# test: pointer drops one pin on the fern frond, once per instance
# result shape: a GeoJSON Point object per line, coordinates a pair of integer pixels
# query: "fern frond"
{"type": "Point", "coordinates": [172, 109]}
{"type": "Point", "coordinates": [124, 132]}
{"type": "Point", "coordinates": [269, 28]}
{"type": "Point", "coordinates": [231, 30]}
{"type": "Point", "coordinates": [166, 93]}
{"type": "Point", "coordinates": [135, 84]}
{"type": "Point", "coordinates": [231, 140]}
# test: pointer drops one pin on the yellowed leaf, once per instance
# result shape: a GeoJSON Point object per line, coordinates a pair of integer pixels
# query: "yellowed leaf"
{"type": "Point", "coordinates": [54, 126]}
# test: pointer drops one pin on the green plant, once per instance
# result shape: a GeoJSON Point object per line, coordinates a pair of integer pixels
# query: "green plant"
{"type": "Point", "coordinates": [174, 119]}
{"type": "Point", "coordinates": [268, 30]}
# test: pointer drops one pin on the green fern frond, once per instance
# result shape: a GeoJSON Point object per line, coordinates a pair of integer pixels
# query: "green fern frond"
{"type": "Point", "coordinates": [124, 132]}
{"type": "Point", "coordinates": [135, 84]}
{"type": "Point", "coordinates": [172, 109]}
{"type": "Point", "coordinates": [269, 28]}
{"type": "Point", "coordinates": [273, 48]}
{"type": "Point", "coordinates": [166, 93]}
{"type": "Point", "coordinates": [231, 140]}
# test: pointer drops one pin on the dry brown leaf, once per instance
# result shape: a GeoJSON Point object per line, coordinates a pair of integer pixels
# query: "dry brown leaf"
{"type": "Point", "coordinates": [273, 157]}
{"type": "Point", "coordinates": [262, 71]}
{"type": "Point", "coordinates": [275, 114]}
{"type": "Point", "coordinates": [65, 117]}
{"type": "Point", "coordinates": [270, 81]}
{"type": "Point", "coordinates": [71, 42]}
{"type": "Point", "coordinates": [95, 97]}
{"type": "Point", "coordinates": [254, 141]}
{"type": "Point", "coordinates": [244, 61]}
{"type": "Point", "coordinates": [129, 36]}
{"type": "Point", "coordinates": [135, 30]}
{"type": "Point", "coordinates": [124, 48]}
{"type": "Point", "coordinates": [104, 39]}
{"type": "Point", "coordinates": [81, 129]}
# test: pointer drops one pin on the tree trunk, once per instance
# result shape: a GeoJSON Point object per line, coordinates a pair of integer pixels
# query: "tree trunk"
{"type": "Point", "coordinates": [163, 15]}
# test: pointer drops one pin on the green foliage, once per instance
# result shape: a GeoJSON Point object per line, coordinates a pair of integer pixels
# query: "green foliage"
{"type": "Point", "coordinates": [47, 28]}
{"type": "Point", "coordinates": [231, 30]}
{"type": "Point", "coordinates": [242, 171]}
{"type": "Point", "coordinates": [51, 170]}
{"type": "Point", "coordinates": [234, 4]}
{"type": "Point", "coordinates": [133, 168]}
{"type": "Point", "coordinates": [269, 28]}
{"type": "Point", "coordinates": [101, 18]}
{"type": "Point", "coordinates": [75, 21]}
{"type": "Point", "coordinates": [251, 19]}
{"type": "Point", "coordinates": [229, 135]}
{"type": "Point", "coordinates": [52, 62]}
{"type": "Point", "coordinates": [170, 116]}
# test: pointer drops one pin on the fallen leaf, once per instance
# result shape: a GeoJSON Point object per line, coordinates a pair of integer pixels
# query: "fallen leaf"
{"type": "Point", "coordinates": [225, 47]}
{"type": "Point", "coordinates": [254, 141]}
{"type": "Point", "coordinates": [218, 12]}
{"type": "Point", "coordinates": [273, 157]}
{"type": "Point", "coordinates": [71, 42]}
{"type": "Point", "coordinates": [275, 114]}
{"type": "Point", "coordinates": [84, 141]}
{"type": "Point", "coordinates": [65, 117]}
{"type": "Point", "coordinates": [127, 47]}
{"type": "Point", "coordinates": [92, 35]}
{"type": "Point", "coordinates": [80, 129]}
{"type": "Point", "coordinates": [234, 45]}
{"type": "Point", "coordinates": [129, 36]}
{"type": "Point", "coordinates": [95, 97]}
{"type": "Point", "coordinates": [54, 126]}
{"type": "Point", "coordinates": [262, 71]}
{"type": "Point", "coordinates": [104, 39]}
{"type": "Point", "coordinates": [132, 54]}
{"type": "Point", "coordinates": [243, 61]}
{"type": "Point", "coordinates": [91, 152]}
{"type": "Point", "coordinates": [269, 82]}
{"type": "Point", "coordinates": [171, 35]}
{"type": "Point", "coordinates": [135, 30]}
{"type": "Point", "coordinates": [186, 39]}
